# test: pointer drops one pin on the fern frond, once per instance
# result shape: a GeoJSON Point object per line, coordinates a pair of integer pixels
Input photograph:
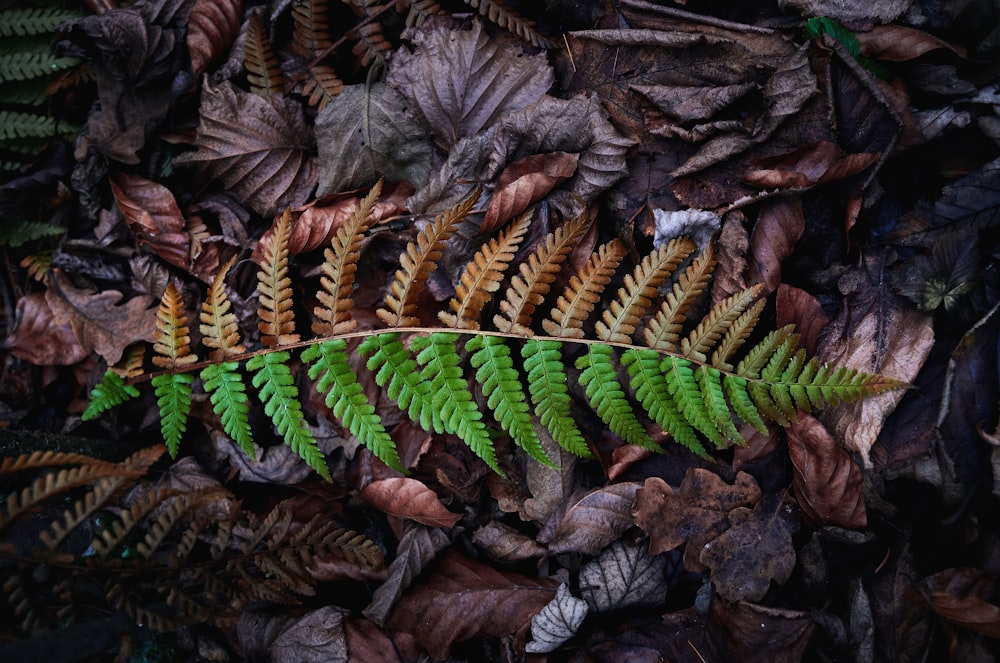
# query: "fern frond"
{"type": "Point", "coordinates": [340, 265]}
{"type": "Point", "coordinates": [263, 71]}
{"type": "Point", "coordinates": [14, 125]}
{"type": "Point", "coordinates": [650, 386]}
{"type": "Point", "coordinates": [321, 85]}
{"type": "Point", "coordinates": [110, 392]}
{"type": "Point", "coordinates": [736, 391]}
{"type": "Point", "coordinates": [721, 320]}
{"type": "Point", "coordinates": [173, 341]}
{"type": "Point", "coordinates": [219, 327]}
{"type": "Point", "coordinates": [417, 262]}
{"type": "Point", "coordinates": [483, 274]}
{"type": "Point", "coordinates": [277, 321]}
{"type": "Point", "coordinates": [396, 370]}
{"type": "Point", "coordinates": [25, 22]}
{"type": "Point", "coordinates": [509, 20]}
{"type": "Point", "coordinates": [420, 11]}
{"type": "Point", "coordinates": [710, 384]}
{"type": "Point", "coordinates": [173, 396]}
{"type": "Point", "coordinates": [25, 65]}
{"type": "Point", "coordinates": [663, 331]}
{"type": "Point", "coordinates": [737, 334]}
{"type": "Point", "coordinates": [685, 392]}
{"type": "Point", "coordinates": [576, 304]}
{"type": "Point", "coordinates": [330, 367]}
{"type": "Point", "coordinates": [600, 380]}
{"type": "Point", "coordinates": [372, 43]}
{"type": "Point", "coordinates": [619, 321]}
{"type": "Point", "coordinates": [226, 391]}
{"type": "Point", "coordinates": [311, 32]}
{"type": "Point", "coordinates": [274, 383]}
{"type": "Point", "coordinates": [504, 395]}
{"type": "Point", "coordinates": [438, 356]}
{"type": "Point", "coordinates": [528, 289]}
{"type": "Point", "coordinates": [83, 508]}
{"type": "Point", "coordinates": [550, 394]}
{"type": "Point", "coordinates": [20, 233]}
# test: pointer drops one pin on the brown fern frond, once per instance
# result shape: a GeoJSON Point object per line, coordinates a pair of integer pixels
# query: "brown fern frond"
{"type": "Point", "coordinates": [738, 332]}
{"type": "Point", "coordinates": [130, 365]}
{"type": "Point", "coordinates": [321, 85]}
{"type": "Point", "coordinates": [311, 32]}
{"type": "Point", "coordinates": [82, 509]}
{"type": "Point", "coordinates": [511, 21]}
{"type": "Point", "coordinates": [483, 274]}
{"type": "Point", "coordinates": [333, 316]}
{"type": "Point", "coordinates": [277, 322]}
{"type": "Point", "coordinates": [173, 340]}
{"type": "Point", "coordinates": [576, 304]}
{"type": "Point", "coordinates": [663, 330]}
{"type": "Point", "coordinates": [619, 321]}
{"type": "Point", "coordinates": [176, 508]}
{"type": "Point", "coordinates": [417, 262]}
{"type": "Point", "coordinates": [112, 536]}
{"type": "Point", "coordinates": [38, 459]}
{"type": "Point", "coordinates": [219, 327]}
{"type": "Point", "coordinates": [263, 70]}
{"type": "Point", "coordinates": [420, 11]}
{"type": "Point", "coordinates": [716, 322]}
{"type": "Point", "coordinates": [528, 289]}
{"type": "Point", "coordinates": [372, 43]}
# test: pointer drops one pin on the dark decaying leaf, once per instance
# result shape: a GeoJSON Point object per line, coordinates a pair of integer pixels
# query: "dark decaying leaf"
{"type": "Point", "coordinates": [807, 166]}
{"type": "Point", "coordinates": [756, 550]}
{"type": "Point", "coordinates": [524, 183]}
{"type": "Point", "coordinates": [899, 43]}
{"type": "Point", "coordinates": [681, 637]}
{"type": "Point", "coordinates": [827, 481]}
{"type": "Point", "coordinates": [313, 637]}
{"type": "Point", "coordinates": [38, 339]}
{"type": "Point", "coordinates": [464, 599]}
{"type": "Point", "coordinates": [212, 27]}
{"type": "Point", "coordinates": [591, 522]}
{"type": "Point", "coordinates": [153, 216]}
{"type": "Point", "coordinates": [852, 13]}
{"type": "Point", "coordinates": [417, 548]}
{"type": "Point", "coordinates": [963, 597]}
{"type": "Point", "coordinates": [367, 643]}
{"type": "Point", "coordinates": [557, 622]}
{"type": "Point", "coordinates": [257, 147]}
{"type": "Point", "coordinates": [761, 634]}
{"type": "Point", "coordinates": [624, 575]}
{"type": "Point", "coordinates": [503, 542]}
{"type": "Point", "coordinates": [410, 499]}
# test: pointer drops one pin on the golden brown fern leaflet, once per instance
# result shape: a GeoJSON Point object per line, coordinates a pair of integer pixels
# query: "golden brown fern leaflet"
{"type": "Point", "coordinates": [663, 331]}
{"type": "Point", "coordinates": [276, 319]}
{"type": "Point", "coordinates": [311, 31]}
{"type": "Point", "coordinates": [173, 353]}
{"type": "Point", "coordinates": [263, 70]}
{"type": "Point", "coordinates": [506, 18]}
{"type": "Point", "coordinates": [575, 305]}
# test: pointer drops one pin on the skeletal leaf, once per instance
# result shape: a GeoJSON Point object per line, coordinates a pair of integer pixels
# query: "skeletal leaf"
{"type": "Point", "coordinates": [557, 622]}
{"type": "Point", "coordinates": [622, 576]}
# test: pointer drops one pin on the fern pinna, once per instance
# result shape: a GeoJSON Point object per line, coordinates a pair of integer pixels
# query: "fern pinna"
{"type": "Point", "coordinates": [689, 377]}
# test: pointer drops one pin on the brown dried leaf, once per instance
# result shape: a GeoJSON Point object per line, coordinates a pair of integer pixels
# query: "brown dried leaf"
{"type": "Point", "coordinates": [38, 339]}
{"type": "Point", "coordinates": [694, 514]}
{"type": "Point", "coordinates": [684, 103]}
{"type": "Point", "coordinates": [367, 643]}
{"type": "Point", "coordinates": [806, 166]}
{"type": "Point", "coordinates": [961, 596]}
{"type": "Point", "coordinates": [258, 147]}
{"type": "Point", "coordinates": [761, 634]}
{"type": "Point", "coordinates": [410, 499]}
{"type": "Point", "coordinates": [99, 322]}
{"type": "Point", "coordinates": [152, 214]}
{"type": "Point", "coordinates": [525, 182]}
{"type": "Point", "coordinates": [755, 550]}
{"type": "Point", "coordinates": [827, 481]}
{"type": "Point", "coordinates": [503, 542]}
{"type": "Point", "coordinates": [595, 520]}
{"type": "Point", "coordinates": [899, 43]}
{"type": "Point", "coordinates": [417, 548]}
{"type": "Point", "coordinates": [779, 226]}
{"type": "Point", "coordinates": [795, 306]}
{"type": "Point", "coordinates": [212, 28]}
{"type": "Point", "coordinates": [464, 599]}
{"type": "Point", "coordinates": [460, 79]}
{"type": "Point", "coordinates": [852, 12]}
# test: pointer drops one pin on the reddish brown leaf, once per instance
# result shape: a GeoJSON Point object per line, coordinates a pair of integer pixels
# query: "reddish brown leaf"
{"type": "Point", "coordinates": [463, 599]}
{"type": "Point", "coordinates": [694, 514]}
{"type": "Point", "coordinates": [212, 28]}
{"type": "Point", "coordinates": [410, 499]}
{"type": "Point", "coordinates": [827, 481]}
{"type": "Point", "coordinates": [808, 166]}
{"type": "Point", "coordinates": [152, 214]}
{"type": "Point", "coordinates": [760, 634]}
{"type": "Point", "coordinates": [960, 596]}
{"type": "Point", "coordinates": [595, 520]}
{"type": "Point", "coordinates": [795, 306]}
{"type": "Point", "coordinates": [367, 643]}
{"type": "Point", "coordinates": [898, 43]}
{"type": "Point", "coordinates": [505, 543]}
{"type": "Point", "coordinates": [38, 339]}
{"type": "Point", "coordinates": [525, 182]}
{"type": "Point", "coordinates": [779, 226]}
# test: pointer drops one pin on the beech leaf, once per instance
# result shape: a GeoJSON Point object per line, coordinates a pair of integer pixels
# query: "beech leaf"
{"type": "Point", "coordinates": [257, 147]}
{"type": "Point", "coordinates": [595, 520]}
{"type": "Point", "coordinates": [369, 132]}
{"type": "Point", "coordinates": [152, 214]}
{"type": "Point", "coordinates": [807, 166]}
{"type": "Point", "coordinates": [38, 339]}
{"type": "Point", "coordinates": [503, 542]}
{"type": "Point", "coordinates": [417, 548]}
{"type": "Point", "coordinates": [899, 43]}
{"type": "Point", "coordinates": [623, 576]}
{"type": "Point", "coordinates": [827, 481]}
{"type": "Point", "coordinates": [525, 182]}
{"type": "Point", "coordinates": [410, 499]}
{"type": "Point", "coordinates": [460, 79]}
{"type": "Point", "coordinates": [557, 622]}
{"type": "Point", "coordinates": [779, 226]}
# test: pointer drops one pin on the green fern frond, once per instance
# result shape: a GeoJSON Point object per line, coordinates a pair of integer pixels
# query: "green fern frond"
{"type": "Point", "coordinates": [652, 390]}
{"type": "Point", "coordinates": [110, 392]}
{"type": "Point", "coordinates": [23, 22]}
{"type": "Point", "coordinates": [173, 396]}
{"type": "Point", "coordinates": [504, 395]}
{"type": "Point", "coordinates": [550, 394]}
{"type": "Point", "coordinates": [736, 390]}
{"type": "Point", "coordinates": [14, 125]}
{"type": "Point", "coordinates": [395, 369]}
{"type": "Point", "coordinates": [18, 234]}
{"type": "Point", "coordinates": [686, 394]}
{"type": "Point", "coordinates": [330, 367]}
{"type": "Point", "coordinates": [710, 383]}
{"type": "Point", "coordinates": [276, 387]}
{"type": "Point", "coordinates": [26, 65]}
{"type": "Point", "coordinates": [225, 388]}
{"type": "Point", "coordinates": [600, 380]}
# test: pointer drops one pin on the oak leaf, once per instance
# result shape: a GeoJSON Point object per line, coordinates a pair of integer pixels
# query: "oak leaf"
{"type": "Point", "coordinates": [828, 482]}
{"type": "Point", "coordinates": [410, 499]}
{"type": "Point", "coordinates": [593, 521]}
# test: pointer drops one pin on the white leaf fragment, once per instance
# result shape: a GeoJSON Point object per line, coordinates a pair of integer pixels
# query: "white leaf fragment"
{"type": "Point", "coordinates": [557, 622]}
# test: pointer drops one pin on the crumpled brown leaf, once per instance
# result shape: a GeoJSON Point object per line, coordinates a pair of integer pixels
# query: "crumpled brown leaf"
{"type": "Point", "coordinates": [524, 183]}
{"type": "Point", "coordinates": [38, 339]}
{"type": "Point", "coordinates": [827, 481]}
{"type": "Point", "coordinates": [152, 214]}
{"type": "Point", "coordinates": [257, 147]}
{"type": "Point", "coordinates": [624, 575]}
{"type": "Point", "coordinates": [99, 322]}
{"type": "Point", "coordinates": [314, 637]}
{"type": "Point", "coordinates": [593, 521]}
{"type": "Point", "coordinates": [557, 622]}
{"type": "Point", "coordinates": [780, 224]}
{"type": "Point", "coordinates": [212, 28]}
{"type": "Point", "coordinates": [502, 542]}
{"type": "Point", "coordinates": [417, 547]}
{"type": "Point", "coordinates": [807, 166]}
{"type": "Point", "coordinates": [461, 80]}
{"type": "Point", "coordinates": [962, 596]}
{"type": "Point", "coordinates": [410, 499]}
{"type": "Point", "coordinates": [899, 43]}
{"type": "Point", "coordinates": [754, 551]}
{"type": "Point", "coordinates": [762, 634]}
{"type": "Point", "coordinates": [464, 599]}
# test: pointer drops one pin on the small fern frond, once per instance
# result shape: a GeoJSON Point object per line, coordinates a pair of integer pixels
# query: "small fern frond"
{"type": "Point", "coordinates": [27, 22]}
{"type": "Point", "coordinates": [330, 367]}
{"type": "Point", "coordinates": [173, 396]}
{"type": "Point", "coordinates": [340, 264]}
{"type": "Point", "coordinates": [101, 492]}
{"type": "Point", "coordinates": [26, 65]}
{"type": "Point", "coordinates": [173, 341]}
{"type": "Point", "coordinates": [600, 380]}
{"type": "Point", "coordinates": [226, 391]}
{"type": "Point", "coordinates": [501, 385]}
{"type": "Point", "coordinates": [110, 392]}
{"type": "Point", "coordinates": [274, 383]}
{"type": "Point", "coordinates": [528, 289]}
{"type": "Point", "coordinates": [321, 85]}
{"type": "Point", "coordinates": [710, 383]}
{"type": "Point", "coordinates": [420, 11]}
{"type": "Point", "coordinates": [263, 71]}
{"type": "Point", "coordinates": [396, 370]}
{"type": "Point", "coordinates": [277, 321]}
{"type": "Point", "coordinates": [20, 233]}
{"type": "Point", "coordinates": [417, 262]}
{"type": "Point", "coordinates": [550, 394]}
{"type": "Point", "coordinates": [576, 304]}
{"type": "Point", "coordinates": [219, 327]}
{"type": "Point", "coordinates": [619, 321]}
{"type": "Point", "coordinates": [651, 389]}
{"type": "Point", "coordinates": [663, 330]}
{"type": "Point", "coordinates": [721, 320]}
{"type": "Point", "coordinates": [372, 44]}
{"type": "Point", "coordinates": [461, 416]}
{"type": "Point", "coordinates": [15, 125]}
{"type": "Point", "coordinates": [509, 20]}
{"type": "Point", "coordinates": [311, 32]}
{"type": "Point", "coordinates": [483, 274]}
{"type": "Point", "coordinates": [736, 391]}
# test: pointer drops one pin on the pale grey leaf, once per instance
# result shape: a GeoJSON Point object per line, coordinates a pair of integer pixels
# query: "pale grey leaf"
{"type": "Point", "coordinates": [622, 576]}
{"type": "Point", "coordinates": [317, 636]}
{"type": "Point", "coordinates": [700, 225]}
{"type": "Point", "coordinates": [685, 103]}
{"type": "Point", "coordinates": [595, 520]}
{"type": "Point", "coordinates": [557, 622]}
{"type": "Point", "coordinates": [417, 548]}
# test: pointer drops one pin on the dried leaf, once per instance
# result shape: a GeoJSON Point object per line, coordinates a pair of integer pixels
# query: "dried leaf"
{"type": "Point", "coordinates": [99, 322]}
{"type": "Point", "coordinates": [779, 226]}
{"type": "Point", "coordinates": [761, 634]}
{"type": "Point", "coordinates": [152, 214]}
{"type": "Point", "coordinates": [257, 147]}
{"type": "Point", "coordinates": [557, 622]}
{"type": "Point", "coordinates": [899, 43]}
{"type": "Point", "coordinates": [624, 576]}
{"type": "Point", "coordinates": [525, 182]}
{"type": "Point", "coordinates": [595, 520]}
{"type": "Point", "coordinates": [367, 132]}
{"type": "Point", "coordinates": [852, 12]}
{"type": "Point", "coordinates": [315, 637]}
{"type": "Point", "coordinates": [460, 79]}
{"type": "Point", "coordinates": [367, 643]}
{"type": "Point", "coordinates": [755, 550]}
{"type": "Point", "coordinates": [807, 166]}
{"type": "Point", "coordinates": [504, 543]}
{"type": "Point", "coordinates": [410, 499]}
{"type": "Point", "coordinates": [38, 339]}
{"type": "Point", "coordinates": [212, 28]}
{"type": "Point", "coordinates": [417, 548]}
{"type": "Point", "coordinates": [795, 306]}
{"type": "Point", "coordinates": [464, 599]}
{"type": "Point", "coordinates": [684, 103]}
{"type": "Point", "coordinates": [962, 597]}
{"type": "Point", "coordinates": [827, 481]}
